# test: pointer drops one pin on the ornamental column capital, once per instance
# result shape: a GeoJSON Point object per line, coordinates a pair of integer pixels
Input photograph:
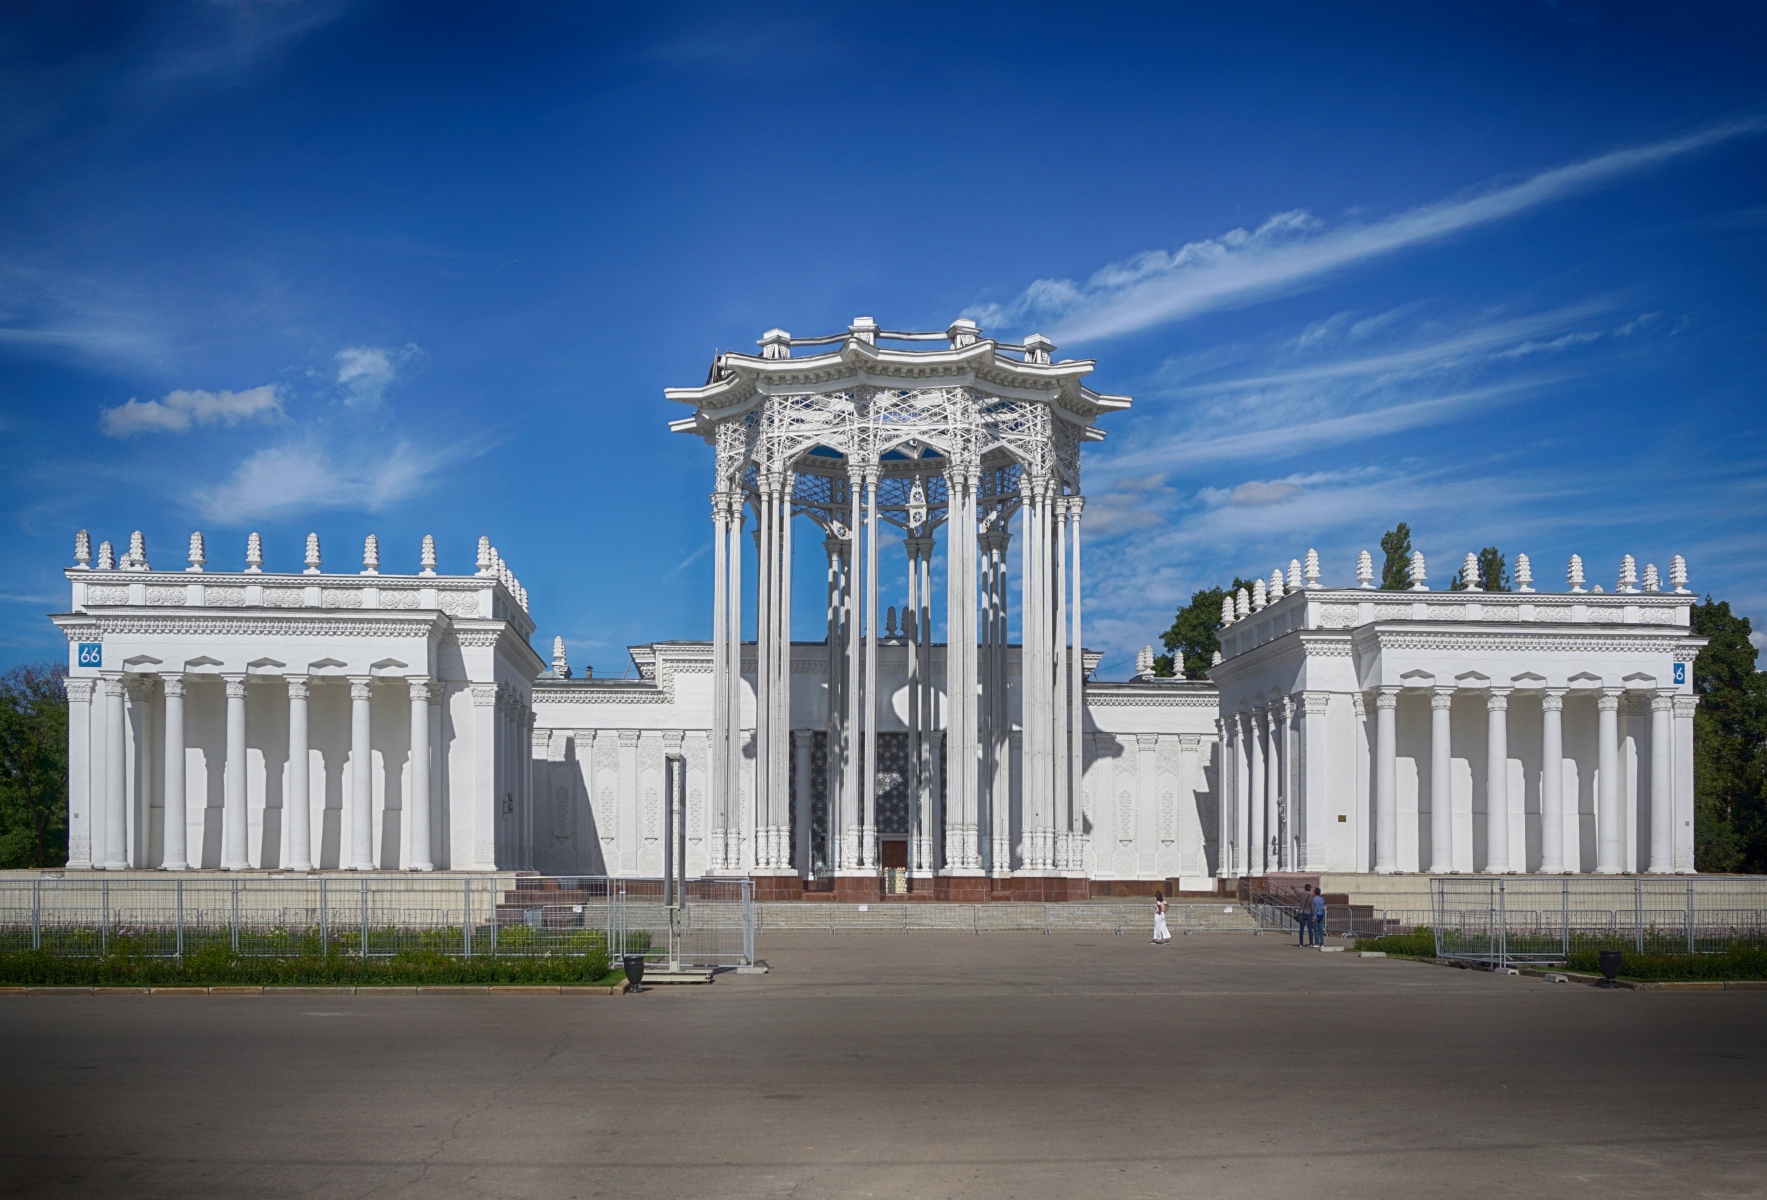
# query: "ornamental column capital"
{"type": "Point", "coordinates": [1552, 700]}
{"type": "Point", "coordinates": [79, 691]}
{"type": "Point", "coordinates": [173, 682]}
{"type": "Point", "coordinates": [1684, 705]}
{"type": "Point", "coordinates": [140, 685]}
{"type": "Point", "coordinates": [1442, 696]}
{"type": "Point", "coordinates": [1662, 700]}
{"type": "Point", "coordinates": [113, 684]}
{"type": "Point", "coordinates": [484, 695]}
{"type": "Point", "coordinates": [1316, 703]}
{"type": "Point", "coordinates": [422, 689]}
{"type": "Point", "coordinates": [1609, 700]}
{"type": "Point", "coordinates": [1387, 697]}
{"type": "Point", "coordinates": [1496, 699]}
{"type": "Point", "coordinates": [299, 686]}
{"type": "Point", "coordinates": [361, 688]}
{"type": "Point", "coordinates": [235, 686]}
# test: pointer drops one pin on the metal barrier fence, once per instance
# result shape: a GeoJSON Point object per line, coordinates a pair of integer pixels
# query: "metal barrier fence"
{"type": "Point", "coordinates": [374, 915]}
{"type": "Point", "coordinates": [1501, 920]}
{"type": "Point", "coordinates": [1078, 916]}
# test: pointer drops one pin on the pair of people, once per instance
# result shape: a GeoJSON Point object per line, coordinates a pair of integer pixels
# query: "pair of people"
{"type": "Point", "coordinates": [1310, 919]}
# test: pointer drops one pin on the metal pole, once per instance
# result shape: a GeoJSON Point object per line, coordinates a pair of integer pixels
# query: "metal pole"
{"type": "Point", "coordinates": [669, 834]}
{"type": "Point", "coordinates": [1502, 925]}
{"type": "Point", "coordinates": [37, 913]}
{"type": "Point", "coordinates": [1690, 916]}
{"type": "Point", "coordinates": [466, 918]}
{"type": "Point", "coordinates": [324, 921]}
{"type": "Point", "coordinates": [493, 917]}
{"type": "Point", "coordinates": [1565, 891]}
{"type": "Point", "coordinates": [104, 928]}
{"type": "Point", "coordinates": [180, 905]}
{"type": "Point", "coordinates": [1638, 914]}
{"type": "Point", "coordinates": [362, 915]}
{"type": "Point", "coordinates": [234, 915]}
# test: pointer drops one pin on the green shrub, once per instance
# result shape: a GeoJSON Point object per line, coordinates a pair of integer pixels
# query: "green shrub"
{"type": "Point", "coordinates": [214, 963]}
{"type": "Point", "coordinates": [1419, 943]}
{"type": "Point", "coordinates": [1742, 960]}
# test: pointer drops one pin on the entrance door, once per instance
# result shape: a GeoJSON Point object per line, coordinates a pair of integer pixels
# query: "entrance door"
{"type": "Point", "coordinates": [895, 853]}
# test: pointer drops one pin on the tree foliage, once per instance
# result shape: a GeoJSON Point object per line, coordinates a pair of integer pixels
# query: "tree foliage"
{"type": "Point", "coordinates": [1729, 745]}
{"type": "Point", "coordinates": [1395, 573]}
{"type": "Point", "coordinates": [33, 767]}
{"type": "Point", "coordinates": [1194, 637]}
{"type": "Point", "coordinates": [1493, 572]}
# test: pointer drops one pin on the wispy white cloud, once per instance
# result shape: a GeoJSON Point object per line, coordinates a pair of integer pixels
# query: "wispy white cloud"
{"type": "Point", "coordinates": [1291, 249]}
{"type": "Point", "coordinates": [186, 409]}
{"type": "Point", "coordinates": [365, 372]}
{"type": "Point", "coordinates": [313, 471]}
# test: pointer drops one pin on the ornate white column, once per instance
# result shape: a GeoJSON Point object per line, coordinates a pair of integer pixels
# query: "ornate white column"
{"type": "Point", "coordinates": [1662, 786]}
{"type": "Point", "coordinates": [721, 723]}
{"type": "Point", "coordinates": [139, 687]}
{"type": "Point", "coordinates": [422, 771]}
{"type": "Point", "coordinates": [1244, 821]}
{"type": "Point", "coordinates": [1497, 781]}
{"type": "Point", "coordinates": [801, 746]}
{"type": "Point", "coordinates": [176, 853]}
{"type": "Point", "coordinates": [116, 780]}
{"type": "Point", "coordinates": [1441, 779]}
{"type": "Point", "coordinates": [933, 737]}
{"type": "Point", "coordinates": [782, 686]}
{"type": "Point", "coordinates": [1275, 769]}
{"type": "Point", "coordinates": [1310, 780]}
{"type": "Point", "coordinates": [911, 647]}
{"type": "Point", "coordinates": [1682, 821]}
{"type": "Point", "coordinates": [1058, 708]}
{"type": "Point", "coordinates": [79, 772]}
{"type": "Point", "coordinates": [1076, 701]}
{"type": "Point", "coordinates": [362, 777]}
{"type": "Point", "coordinates": [873, 688]}
{"type": "Point", "coordinates": [833, 768]}
{"type": "Point", "coordinates": [1609, 836]}
{"type": "Point", "coordinates": [297, 802]}
{"type": "Point", "coordinates": [732, 799]}
{"type": "Point", "coordinates": [1552, 781]}
{"type": "Point", "coordinates": [852, 821]}
{"type": "Point", "coordinates": [234, 856]}
{"type": "Point", "coordinates": [1259, 843]}
{"type": "Point", "coordinates": [1227, 786]}
{"type": "Point", "coordinates": [484, 779]}
{"type": "Point", "coordinates": [1386, 781]}
{"type": "Point", "coordinates": [766, 547]}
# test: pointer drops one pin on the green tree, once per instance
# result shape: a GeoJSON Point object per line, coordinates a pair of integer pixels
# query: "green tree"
{"type": "Point", "coordinates": [33, 767]}
{"type": "Point", "coordinates": [1493, 572]}
{"type": "Point", "coordinates": [1192, 640]}
{"type": "Point", "coordinates": [1729, 745]}
{"type": "Point", "coordinates": [1395, 573]}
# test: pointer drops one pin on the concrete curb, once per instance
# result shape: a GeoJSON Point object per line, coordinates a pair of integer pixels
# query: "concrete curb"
{"type": "Point", "coordinates": [494, 989]}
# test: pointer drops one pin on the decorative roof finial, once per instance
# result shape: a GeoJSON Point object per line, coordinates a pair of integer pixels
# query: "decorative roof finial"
{"type": "Point", "coordinates": [371, 556]}
{"type": "Point", "coordinates": [1652, 583]}
{"type": "Point", "coordinates": [963, 332]}
{"type": "Point", "coordinates": [1678, 574]}
{"type": "Point", "coordinates": [1226, 611]}
{"type": "Point", "coordinates": [1524, 574]}
{"type": "Point", "coordinates": [427, 558]}
{"type": "Point", "coordinates": [1144, 663]}
{"type": "Point", "coordinates": [775, 343]}
{"type": "Point", "coordinates": [862, 329]}
{"type": "Point", "coordinates": [1294, 574]}
{"type": "Point", "coordinates": [561, 667]}
{"type": "Point", "coordinates": [83, 550]}
{"type": "Point", "coordinates": [1469, 574]}
{"type": "Point", "coordinates": [1628, 575]}
{"type": "Point", "coordinates": [1039, 349]}
{"type": "Point", "coordinates": [254, 555]}
{"type": "Point", "coordinates": [312, 555]}
{"type": "Point", "coordinates": [137, 551]}
{"type": "Point", "coordinates": [198, 553]}
{"type": "Point", "coordinates": [1574, 573]}
{"type": "Point", "coordinates": [1419, 576]}
{"type": "Point", "coordinates": [1260, 595]}
{"type": "Point", "coordinates": [1276, 591]}
{"type": "Point", "coordinates": [890, 622]}
{"type": "Point", "coordinates": [1311, 571]}
{"type": "Point", "coordinates": [106, 558]}
{"type": "Point", "coordinates": [1365, 571]}
{"type": "Point", "coordinates": [1217, 660]}
{"type": "Point", "coordinates": [484, 560]}
{"type": "Point", "coordinates": [1242, 605]}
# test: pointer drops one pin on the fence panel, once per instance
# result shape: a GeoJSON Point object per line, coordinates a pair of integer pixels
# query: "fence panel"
{"type": "Point", "coordinates": [1505, 919]}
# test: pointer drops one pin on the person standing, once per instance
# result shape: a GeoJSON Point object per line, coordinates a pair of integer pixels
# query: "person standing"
{"type": "Point", "coordinates": [1161, 935]}
{"type": "Point", "coordinates": [1318, 906]}
{"type": "Point", "coordinates": [1304, 920]}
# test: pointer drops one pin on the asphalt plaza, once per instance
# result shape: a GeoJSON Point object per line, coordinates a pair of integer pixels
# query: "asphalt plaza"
{"type": "Point", "coordinates": [891, 1065]}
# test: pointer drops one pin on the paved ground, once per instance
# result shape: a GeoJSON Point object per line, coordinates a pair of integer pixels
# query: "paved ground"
{"type": "Point", "coordinates": [928, 1065]}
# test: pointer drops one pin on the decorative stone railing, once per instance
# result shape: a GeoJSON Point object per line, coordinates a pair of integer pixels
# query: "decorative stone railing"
{"type": "Point", "coordinates": [460, 596]}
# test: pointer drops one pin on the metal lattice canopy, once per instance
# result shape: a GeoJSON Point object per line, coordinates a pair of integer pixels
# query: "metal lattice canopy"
{"type": "Point", "coordinates": [1004, 411]}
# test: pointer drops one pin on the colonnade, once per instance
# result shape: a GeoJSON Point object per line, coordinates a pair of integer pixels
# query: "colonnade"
{"type": "Point", "coordinates": [110, 790]}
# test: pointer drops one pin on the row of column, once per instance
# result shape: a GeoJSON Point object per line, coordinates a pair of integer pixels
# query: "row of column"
{"type": "Point", "coordinates": [109, 777]}
{"type": "Point", "coordinates": [1610, 840]}
{"type": "Point", "coordinates": [772, 821]}
{"type": "Point", "coordinates": [1053, 688]}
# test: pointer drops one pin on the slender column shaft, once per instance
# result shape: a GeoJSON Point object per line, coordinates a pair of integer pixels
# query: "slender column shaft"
{"type": "Point", "coordinates": [1441, 780]}
{"type": "Point", "coordinates": [1277, 760]}
{"type": "Point", "coordinates": [1058, 708]}
{"type": "Point", "coordinates": [81, 822]}
{"type": "Point", "coordinates": [873, 688]}
{"type": "Point", "coordinates": [972, 699]}
{"type": "Point", "coordinates": [1552, 783]}
{"type": "Point", "coordinates": [720, 748]}
{"type": "Point", "coordinates": [297, 802]}
{"type": "Point", "coordinates": [765, 547]}
{"type": "Point", "coordinates": [911, 646]}
{"type": "Point", "coordinates": [985, 714]}
{"type": "Point", "coordinates": [930, 742]}
{"type": "Point", "coordinates": [1002, 799]}
{"type": "Point", "coordinates": [1076, 699]}
{"type": "Point", "coordinates": [1255, 798]}
{"type": "Point", "coordinates": [1386, 781]}
{"type": "Point", "coordinates": [362, 778]}
{"type": "Point", "coordinates": [782, 685]}
{"type": "Point", "coordinates": [1662, 783]}
{"type": "Point", "coordinates": [851, 820]}
{"type": "Point", "coordinates": [176, 853]}
{"type": "Point", "coordinates": [1497, 781]}
{"type": "Point", "coordinates": [233, 832]}
{"type": "Point", "coordinates": [732, 798]}
{"type": "Point", "coordinates": [116, 779]}
{"type": "Point", "coordinates": [1245, 821]}
{"type": "Point", "coordinates": [802, 746]}
{"type": "Point", "coordinates": [1028, 795]}
{"type": "Point", "coordinates": [1609, 836]}
{"type": "Point", "coordinates": [421, 772]}
{"type": "Point", "coordinates": [832, 759]}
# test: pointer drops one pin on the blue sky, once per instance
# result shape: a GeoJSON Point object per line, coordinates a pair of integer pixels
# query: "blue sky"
{"type": "Point", "coordinates": [1494, 270]}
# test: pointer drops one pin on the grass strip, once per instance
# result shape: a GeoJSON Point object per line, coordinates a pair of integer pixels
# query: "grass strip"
{"type": "Point", "coordinates": [218, 966]}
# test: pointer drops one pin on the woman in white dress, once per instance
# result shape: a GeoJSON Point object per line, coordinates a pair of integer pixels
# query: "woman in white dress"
{"type": "Point", "coordinates": [1160, 933]}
